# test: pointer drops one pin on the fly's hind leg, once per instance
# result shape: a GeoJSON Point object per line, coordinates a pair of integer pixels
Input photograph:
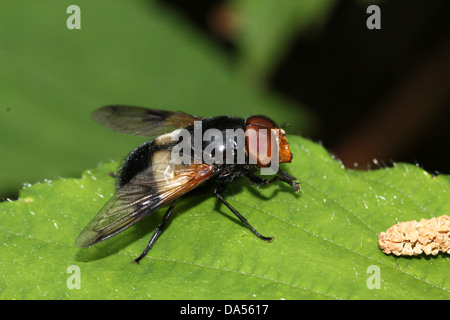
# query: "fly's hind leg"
{"type": "Point", "coordinates": [157, 233]}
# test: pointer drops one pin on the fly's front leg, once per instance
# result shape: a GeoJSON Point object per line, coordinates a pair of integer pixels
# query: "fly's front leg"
{"type": "Point", "coordinates": [281, 176]}
{"type": "Point", "coordinates": [157, 233]}
{"type": "Point", "coordinates": [285, 177]}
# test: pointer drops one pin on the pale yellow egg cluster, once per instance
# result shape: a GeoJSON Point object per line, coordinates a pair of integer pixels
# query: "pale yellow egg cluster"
{"type": "Point", "coordinates": [413, 238]}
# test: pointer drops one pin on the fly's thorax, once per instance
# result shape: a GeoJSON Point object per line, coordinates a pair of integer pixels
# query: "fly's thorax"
{"type": "Point", "coordinates": [218, 140]}
{"type": "Point", "coordinates": [231, 141]}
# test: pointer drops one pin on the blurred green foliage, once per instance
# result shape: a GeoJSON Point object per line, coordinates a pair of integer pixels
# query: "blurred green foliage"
{"type": "Point", "coordinates": [127, 52]}
{"type": "Point", "coordinates": [269, 26]}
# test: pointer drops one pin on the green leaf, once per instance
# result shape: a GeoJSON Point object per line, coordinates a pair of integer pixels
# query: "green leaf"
{"type": "Point", "coordinates": [325, 245]}
{"type": "Point", "coordinates": [268, 28]}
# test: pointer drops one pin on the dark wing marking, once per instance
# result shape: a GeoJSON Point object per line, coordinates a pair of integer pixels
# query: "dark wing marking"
{"type": "Point", "coordinates": [142, 122]}
{"type": "Point", "coordinates": [144, 194]}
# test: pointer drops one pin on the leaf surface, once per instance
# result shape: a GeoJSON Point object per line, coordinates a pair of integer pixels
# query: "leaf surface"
{"type": "Point", "coordinates": [325, 246]}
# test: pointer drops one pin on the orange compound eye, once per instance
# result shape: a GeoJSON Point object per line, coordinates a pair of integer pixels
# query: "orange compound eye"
{"type": "Point", "coordinates": [258, 122]}
{"type": "Point", "coordinates": [258, 140]}
{"type": "Point", "coordinates": [262, 137]}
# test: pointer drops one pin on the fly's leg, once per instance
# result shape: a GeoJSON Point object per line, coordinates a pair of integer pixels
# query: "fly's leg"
{"type": "Point", "coordinates": [237, 214]}
{"type": "Point", "coordinates": [157, 233]}
{"type": "Point", "coordinates": [285, 177]}
{"type": "Point", "coordinates": [281, 176]}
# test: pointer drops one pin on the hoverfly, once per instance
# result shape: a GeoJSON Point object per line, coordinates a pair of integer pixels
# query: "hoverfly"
{"type": "Point", "coordinates": [150, 177]}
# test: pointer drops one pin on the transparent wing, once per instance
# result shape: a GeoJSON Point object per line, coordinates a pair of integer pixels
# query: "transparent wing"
{"type": "Point", "coordinates": [142, 122]}
{"type": "Point", "coordinates": [144, 194]}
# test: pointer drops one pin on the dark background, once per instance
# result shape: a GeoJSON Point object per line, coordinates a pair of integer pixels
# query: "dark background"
{"type": "Point", "coordinates": [378, 94]}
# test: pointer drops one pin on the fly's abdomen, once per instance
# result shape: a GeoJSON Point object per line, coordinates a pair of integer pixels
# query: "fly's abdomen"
{"type": "Point", "coordinates": [137, 161]}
